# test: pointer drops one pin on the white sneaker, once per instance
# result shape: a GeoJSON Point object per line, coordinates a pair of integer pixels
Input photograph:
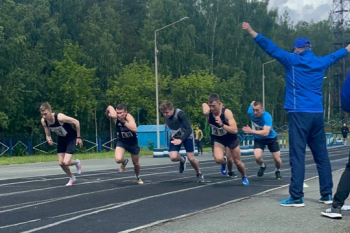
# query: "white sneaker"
{"type": "Point", "coordinates": [79, 167]}
{"type": "Point", "coordinates": [71, 181]}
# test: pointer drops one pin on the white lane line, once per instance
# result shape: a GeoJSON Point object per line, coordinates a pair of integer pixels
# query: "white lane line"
{"type": "Point", "coordinates": [99, 181]}
{"type": "Point", "coordinates": [21, 223]}
{"type": "Point", "coordinates": [36, 203]}
{"type": "Point", "coordinates": [117, 205]}
{"type": "Point", "coordinates": [210, 208]}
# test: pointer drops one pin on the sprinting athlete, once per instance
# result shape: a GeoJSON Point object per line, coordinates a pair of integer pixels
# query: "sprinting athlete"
{"type": "Point", "coordinates": [181, 134]}
{"type": "Point", "coordinates": [67, 138]}
{"type": "Point", "coordinates": [224, 132]}
{"type": "Point", "coordinates": [264, 135]}
{"type": "Point", "coordinates": [126, 138]}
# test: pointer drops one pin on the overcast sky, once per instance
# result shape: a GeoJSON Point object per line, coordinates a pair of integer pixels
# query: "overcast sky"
{"type": "Point", "coordinates": [306, 10]}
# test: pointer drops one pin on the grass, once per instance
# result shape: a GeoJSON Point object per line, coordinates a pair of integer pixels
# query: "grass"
{"type": "Point", "coordinates": [11, 160]}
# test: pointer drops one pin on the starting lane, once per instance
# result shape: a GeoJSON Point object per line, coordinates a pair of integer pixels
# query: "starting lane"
{"type": "Point", "coordinates": [106, 201]}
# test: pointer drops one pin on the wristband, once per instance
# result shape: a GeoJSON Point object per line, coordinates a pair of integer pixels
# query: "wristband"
{"type": "Point", "coordinates": [79, 137]}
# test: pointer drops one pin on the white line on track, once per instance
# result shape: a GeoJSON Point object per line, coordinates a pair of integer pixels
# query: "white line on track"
{"type": "Point", "coordinates": [119, 205]}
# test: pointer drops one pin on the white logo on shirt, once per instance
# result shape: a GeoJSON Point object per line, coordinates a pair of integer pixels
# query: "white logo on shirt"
{"type": "Point", "coordinates": [217, 131]}
{"type": "Point", "coordinates": [60, 131]}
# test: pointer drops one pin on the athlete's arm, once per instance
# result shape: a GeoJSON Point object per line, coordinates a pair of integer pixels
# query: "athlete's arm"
{"type": "Point", "coordinates": [186, 125]}
{"type": "Point", "coordinates": [206, 109]}
{"type": "Point", "coordinates": [130, 123]}
{"type": "Point", "coordinates": [266, 130]}
{"type": "Point", "coordinates": [110, 112]}
{"type": "Point", "coordinates": [47, 132]}
{"type": "Point", "coordinates": [232, 124]}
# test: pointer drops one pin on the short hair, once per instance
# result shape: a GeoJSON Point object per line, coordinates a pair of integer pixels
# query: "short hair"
{"type": "Point", "coordinates": [45, 106]}
{"type": "Point", "coordinates": [256, 103]}
{"type": "Point", "coordinates": [213, 97]}
{"type": "Point", "coordinates": [166, 105]}
{"type": "Point", "coordinates": [122, 107]}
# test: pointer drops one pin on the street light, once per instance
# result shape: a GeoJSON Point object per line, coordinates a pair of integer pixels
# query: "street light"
{"type": "Point", "coordinates": [263, 81]}
{"type": "Point", "coordinates": [156, 73]}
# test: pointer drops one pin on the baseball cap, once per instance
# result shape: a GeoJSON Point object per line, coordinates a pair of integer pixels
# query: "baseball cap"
{"type": "Point", "coordinates": [302, 42]}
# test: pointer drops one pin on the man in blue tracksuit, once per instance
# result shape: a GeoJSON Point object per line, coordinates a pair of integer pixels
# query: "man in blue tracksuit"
{"type": "Point", "coordinates": [303, 102]}
{"type": "Point", "coordinates": [343, 188]}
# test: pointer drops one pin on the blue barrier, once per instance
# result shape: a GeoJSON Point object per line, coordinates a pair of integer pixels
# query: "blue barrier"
{"type": "Point", "coordinates": [334, 139]}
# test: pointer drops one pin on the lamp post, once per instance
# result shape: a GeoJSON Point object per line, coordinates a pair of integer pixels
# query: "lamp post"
{"type": "Point", "coordinates": [156, 73]}
{"type": "Point", "coordinates": [263, 81]}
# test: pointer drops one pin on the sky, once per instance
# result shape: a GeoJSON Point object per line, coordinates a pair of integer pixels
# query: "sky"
{"type": "Point", "coordinates": [306, 10]}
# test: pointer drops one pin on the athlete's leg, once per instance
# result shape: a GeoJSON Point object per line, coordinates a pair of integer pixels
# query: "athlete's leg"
{"type": "Point", "coordinates": [219, 153]}
{"type": "Point", "coordinates": [229, 159]}
{"type": "Point", "coordinates": [65, 168]}
{"type": "Point", "coordinates": [236, 153]}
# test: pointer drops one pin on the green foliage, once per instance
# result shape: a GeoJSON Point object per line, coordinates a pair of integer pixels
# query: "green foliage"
{"type": "Point", "coordinates": [83, 55]}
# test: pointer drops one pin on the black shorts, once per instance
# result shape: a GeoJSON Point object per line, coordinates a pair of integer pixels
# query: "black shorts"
{"type": "Point", "coordinates": [188, 145]}
{"type": "Point", "coordinates": [66, 145]}
{"type": "Point", "coordinates": [271, 143]}
{"type": "Point", "coordinates": [227, 143]}
{"type": "Point", "coordinates": [133, 148]}
{"type": "Point", "coordinates": [345, 135]}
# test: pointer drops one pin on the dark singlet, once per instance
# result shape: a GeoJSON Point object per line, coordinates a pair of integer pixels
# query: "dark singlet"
{"type": "Point", "coordinates": [63, 131]}
{"type": "Point", "coordinates": [217, 131]}
{"type": "Point", "coordinates": [124, 134]}
{"type": "Point", "coordinates": [176, 126]}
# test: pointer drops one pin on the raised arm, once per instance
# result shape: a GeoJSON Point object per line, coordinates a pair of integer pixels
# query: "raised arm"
{"type": "Point", "coordinates": [130, 123]}
{"type": "Point", "coordinates": [110, 112]}
{"type": "Point", "coordinates": [206, 109]}
{"type": "Point", "coordinates": [268, 46]}
{"type": "Point", "coordinates": [336, 56]}
{"type": "Point", "coordinates": [47, 132]}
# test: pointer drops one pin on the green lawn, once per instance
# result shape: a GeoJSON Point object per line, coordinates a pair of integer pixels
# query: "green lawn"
{"type": "Point", "coordinates": [8, 160]}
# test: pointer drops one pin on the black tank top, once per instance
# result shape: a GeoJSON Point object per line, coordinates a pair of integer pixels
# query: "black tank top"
{"type": "Point", "coordinates": [63, 131]}
{"type": "Point", "coordinates": [217, 131]}
{"type": "Point", "coordinates": [124, 134]}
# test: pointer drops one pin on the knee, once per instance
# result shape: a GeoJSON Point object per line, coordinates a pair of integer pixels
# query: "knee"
{"type": "Point", "coordinates": [191, 158]}
{"type": "Point", "coordinates": [237, 162]}
{"type": "Point", "coordinates": [173, 158]}
{"type": "Point", "coordinates": [63, 163]}
{"type": "Point", "coordinates": [219, 160]}
{"type": "Point", "coordinates": [118, 160]}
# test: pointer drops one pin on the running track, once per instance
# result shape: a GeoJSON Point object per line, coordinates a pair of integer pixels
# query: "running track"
{"type": "Point", "coordinates": [107, 201]}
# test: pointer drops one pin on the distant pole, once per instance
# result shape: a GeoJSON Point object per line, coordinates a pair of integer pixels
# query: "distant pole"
{"type": "Point", "coordinates": [138, 116]}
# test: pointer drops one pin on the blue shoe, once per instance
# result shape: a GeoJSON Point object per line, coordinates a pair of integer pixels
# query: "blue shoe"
{"type": "Point", "coordinates": [327, 199]}
{"type": "Point", "coordinates": [293, 202]}
{"type": "Point", "coordinates": [224, 169]}
{"type": "Point", "coordinates": [245, 181]}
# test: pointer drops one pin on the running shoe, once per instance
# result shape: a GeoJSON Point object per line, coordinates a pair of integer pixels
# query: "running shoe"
{"type": "Point", "coordinates": [261, 171]}
{"type": "Point", "coordinates": [200, 178]}
{"type": "Point", "coordinates": [291, 202]}
{"type": "Point", "coordinates": [245, 181]}
{"type": "Point", "coordinates": [182, 166]}
{"type": "Point", "coordinates": [71, 181]}
{"type": "Point", "coordinates": [123, 165]}
{"type": "Point", "coordinates": [332, 213]}
{"type": "Point", "coordinates": [327, 199]}
{"type": "Point", "coordinates": [138, 180]}
{"type": "Point", "coordinates": [79, 167]}
{"type": "Point", "coordinates": [278, 175]}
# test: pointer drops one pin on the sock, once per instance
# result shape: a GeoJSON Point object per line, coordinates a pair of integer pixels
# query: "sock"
{"type": "Point", "coordinates": [125, 162]}
{"type": "Point", "coordinates": [73, 178]}
{"type": "Point", "coordinates": [225, 159]}
{"type": "Point", "coordinates": [278, 169]}
{"type": "Point", "coordinates": [262, 165]}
